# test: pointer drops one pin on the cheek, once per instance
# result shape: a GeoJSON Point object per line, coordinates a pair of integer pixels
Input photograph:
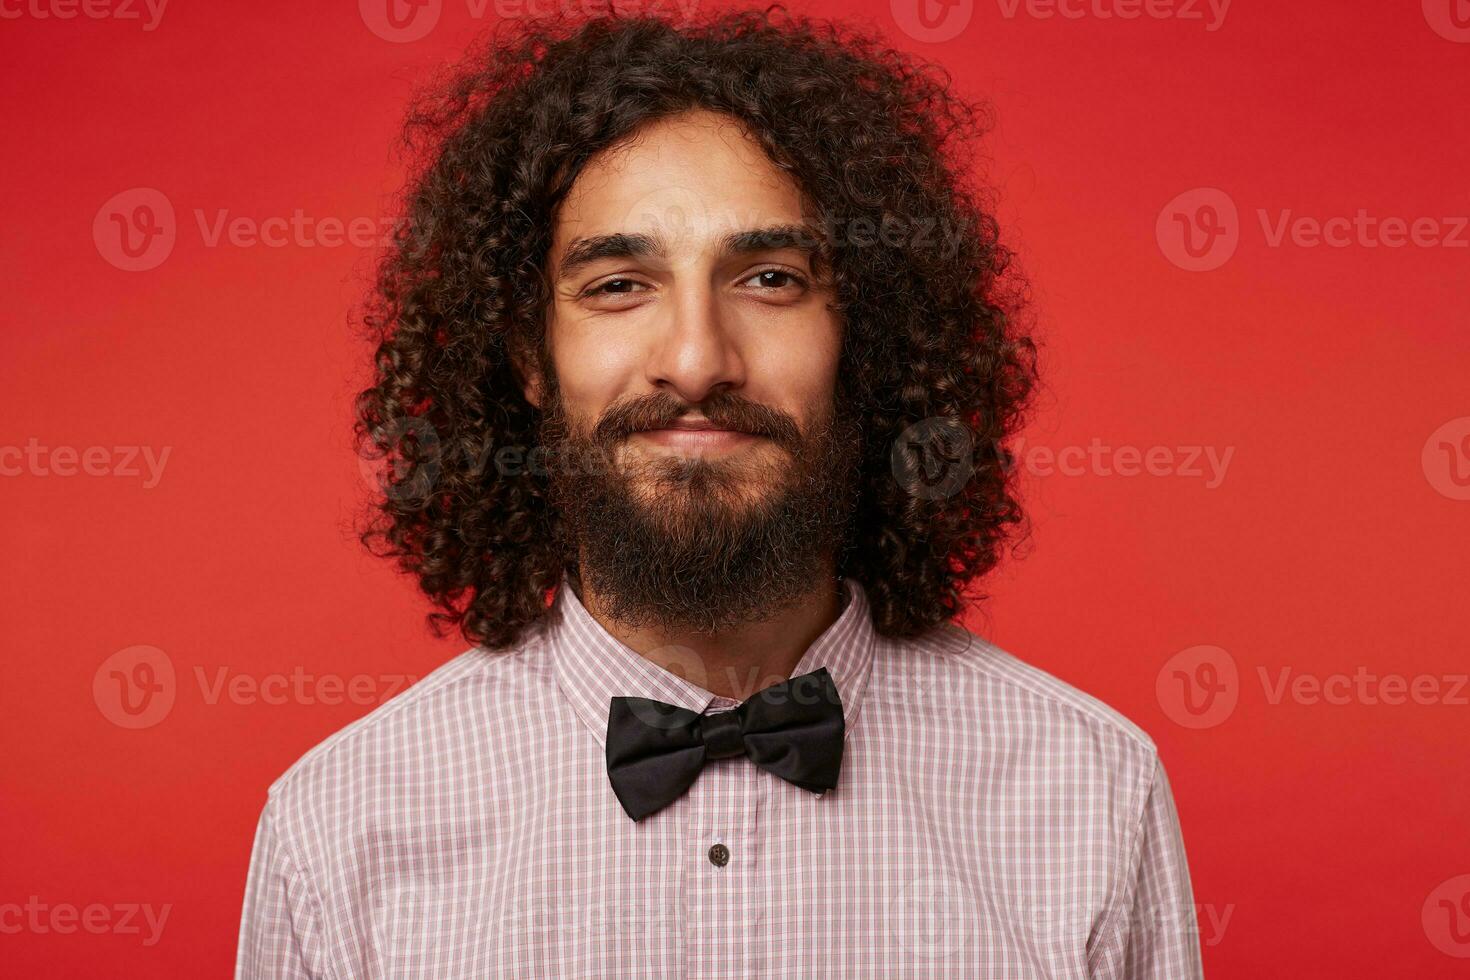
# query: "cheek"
{"type": "Point", "coordinates": [592, 368]}
{"type": "Point", "coordinates": [798, 376]}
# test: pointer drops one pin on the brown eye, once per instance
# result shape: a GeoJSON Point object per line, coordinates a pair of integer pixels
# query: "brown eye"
{"type": "Point", "coordinates": [617, 286]}
{"type": "Point", "coordinates": [775, 279]}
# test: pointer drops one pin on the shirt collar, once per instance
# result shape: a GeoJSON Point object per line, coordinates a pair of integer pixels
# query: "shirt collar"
{"type": "Point", "coordinates": [592, 666]}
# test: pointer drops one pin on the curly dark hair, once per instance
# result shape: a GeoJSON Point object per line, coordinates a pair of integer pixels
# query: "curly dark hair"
{"type": "Point", "coordinates": [935, 351]}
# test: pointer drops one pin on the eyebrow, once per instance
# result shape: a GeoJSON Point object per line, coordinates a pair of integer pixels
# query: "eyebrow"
{"type": "Point", "coordinates": [620, 245]}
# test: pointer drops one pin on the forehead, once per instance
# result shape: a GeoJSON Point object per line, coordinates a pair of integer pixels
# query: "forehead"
{"type": "Point", "coordinates": [691, 178]}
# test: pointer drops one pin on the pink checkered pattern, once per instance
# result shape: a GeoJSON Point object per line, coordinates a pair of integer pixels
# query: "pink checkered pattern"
{"type": "Point", "coordinates": [990, 822]}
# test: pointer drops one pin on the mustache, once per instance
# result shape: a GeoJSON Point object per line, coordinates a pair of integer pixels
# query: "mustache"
{"type": "Point", "coordinates": [725, 410]}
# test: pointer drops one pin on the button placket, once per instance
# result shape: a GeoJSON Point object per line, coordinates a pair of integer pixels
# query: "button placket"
{"type": "Point", "coordinates": [722, 884]}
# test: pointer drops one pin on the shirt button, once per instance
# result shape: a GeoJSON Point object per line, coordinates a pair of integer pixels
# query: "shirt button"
{"type": "Point", "coordinates": [719, 855]}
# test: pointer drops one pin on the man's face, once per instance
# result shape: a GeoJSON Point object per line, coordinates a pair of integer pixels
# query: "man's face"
{"type": "Point", "coordinates": [684, 294]}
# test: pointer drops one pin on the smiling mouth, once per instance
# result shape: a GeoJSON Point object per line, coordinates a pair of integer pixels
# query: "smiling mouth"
{"type": "Point", "coordinates": [697, 438]}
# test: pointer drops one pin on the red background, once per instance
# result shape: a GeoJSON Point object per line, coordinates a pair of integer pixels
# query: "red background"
{"type": "Point", "coordinates": [1330, 545]}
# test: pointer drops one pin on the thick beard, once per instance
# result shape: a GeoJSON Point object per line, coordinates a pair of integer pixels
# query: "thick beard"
{"type": "Point", "coordinates": [701, 545]}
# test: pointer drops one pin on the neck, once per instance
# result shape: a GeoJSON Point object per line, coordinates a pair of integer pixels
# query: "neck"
{"type": "Point", "coordinates": [738, 662]}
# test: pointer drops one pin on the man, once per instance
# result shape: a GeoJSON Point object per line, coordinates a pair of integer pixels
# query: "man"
{"type": "Point", "coordinates": [689, 353]}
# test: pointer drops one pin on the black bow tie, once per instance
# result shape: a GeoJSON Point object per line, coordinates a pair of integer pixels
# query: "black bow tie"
{"type": "Point", "coordinates": [793, 729]}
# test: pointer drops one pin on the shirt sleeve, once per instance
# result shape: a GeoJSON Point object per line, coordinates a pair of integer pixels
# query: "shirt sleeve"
{"type": "Point", "coordinates": [1160, 938]}
{"type": "Point", "coordinates": [280, 925]}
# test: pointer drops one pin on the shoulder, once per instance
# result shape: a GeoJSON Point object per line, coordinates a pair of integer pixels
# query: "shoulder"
{"type": "Point", "coordinates": [428, 723]}
{"type": "Point", "coordinates": [1006, 674]}
{"type": "Point", "coordinates": [1020, 711]}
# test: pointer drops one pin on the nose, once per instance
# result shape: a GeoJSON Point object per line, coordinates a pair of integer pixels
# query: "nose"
{"type": "Point", "coordinates": [695, 354]}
